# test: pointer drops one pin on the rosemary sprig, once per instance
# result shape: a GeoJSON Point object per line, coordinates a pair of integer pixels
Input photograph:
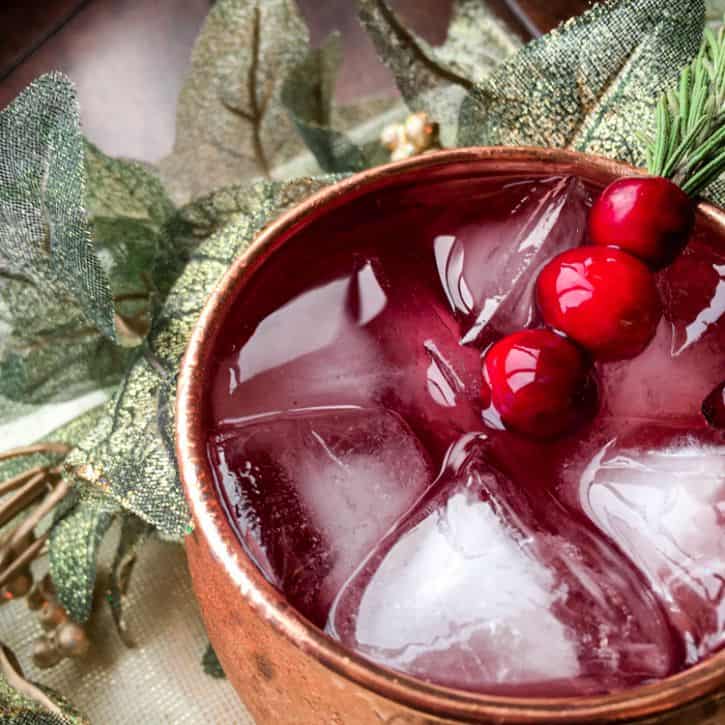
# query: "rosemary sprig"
{"type": "Point", "coordinates": [689, 142]}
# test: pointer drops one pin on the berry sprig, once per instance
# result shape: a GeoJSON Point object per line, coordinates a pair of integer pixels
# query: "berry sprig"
{"type": "Point", "coordinates": [601, 300]}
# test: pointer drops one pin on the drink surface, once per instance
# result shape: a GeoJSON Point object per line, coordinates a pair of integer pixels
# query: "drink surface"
{"type": "Point", "coordinates": [346, 437]}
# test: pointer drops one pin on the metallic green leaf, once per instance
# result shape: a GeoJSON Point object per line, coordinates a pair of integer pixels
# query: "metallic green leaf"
{"type": "Point", "coordinates": [134, 534]}
{"type": "Point", "coordinates": [19, 709]}
{"type": "Point", "coordinates": [130, 453]}
{"type": "Point", "coordinates": [591, 84]}
{"type": "Point", "coordinates": [211, 665]}
{"type": "Point", "coordinates": [436, 79]}
{"type": "Point", "coordinates": [81, 522]}
{"type": "Point", "coordinates": [45, 240]}
{"type": "Point", "coordinates": [308, 95]}
{"type": "Point", "coordinates": [230, 123]}
{"type": "Point", "coordinates": [49, 350]}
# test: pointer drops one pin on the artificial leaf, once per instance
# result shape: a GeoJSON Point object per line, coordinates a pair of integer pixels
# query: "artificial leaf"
{"type": "Point", "coordinates": [18, 708]}
{"type": "Point", "coordinates": [45, 240]}
{"type": "Point", "coordinates": [68, 434]}
{"type": "Point", "coordinates": [211, 665]}
{"type": "Point", "coordinates": [592, 84]}
{"type": "Point", "coordinates": [436, 79]}
{"type": "Point", "coordinates": [130, 454]}
{"type": "Point", "coordinates": [308, 95]}
{"type": "Point", "coordinates": [49, 349]}
{"type": "Point", "coordinates": [134, 534]}
{"type": "Point", "coordinates": [82, 520]}
{"type": "Point", "coordinates": [230, 124]}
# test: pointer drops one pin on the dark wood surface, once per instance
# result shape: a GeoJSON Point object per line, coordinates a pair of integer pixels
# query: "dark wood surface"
{"type": "Point", "coordinates": [128, 57]}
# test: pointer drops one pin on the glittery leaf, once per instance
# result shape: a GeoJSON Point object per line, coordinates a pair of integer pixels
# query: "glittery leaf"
{"type": "Point", "coordinates": [211, 665]}
{"type": "Point", "coordinates": [308, 96]}
{"type": "Point", "coordinates": [436, 79]}
{"type": "Point", "coordinates": [49, 349]}
{"type": "Point", "coordinates": [45, 241]}
{"type": "Point", "coordinates": [230, 124]}
{"type": "Point", "coordinates": [81, 523]}
{"type": "Point", "coordinates": [591, 84]}
{"type": "Point", "coordinates": [19, 709]}
{"type": "Point", "coordinates": [134, 534]}
{"type": "Point", "coordinates": [130, 454]}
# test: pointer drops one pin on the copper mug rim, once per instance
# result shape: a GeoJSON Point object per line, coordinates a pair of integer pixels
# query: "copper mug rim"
{"type": "Point", "coordinates": [211, 522]}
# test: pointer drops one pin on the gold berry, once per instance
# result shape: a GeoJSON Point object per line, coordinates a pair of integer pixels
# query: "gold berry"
{"type": "Point", "coordinates": [71, 640]}
{"type": "Point", "coordinates": [52, 615]}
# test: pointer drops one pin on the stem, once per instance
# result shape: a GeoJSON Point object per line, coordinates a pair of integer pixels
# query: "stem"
{"type": "Point", "coordinates": [16, 481]}
{"type": "Point", "coordinates": [32, 490]}
{"type": "Point", "coordinates": [22, 561]}
{"type": "Point", "coordinates": [59, 448]}
{"type": "Point", "coordinates": [48, 504]}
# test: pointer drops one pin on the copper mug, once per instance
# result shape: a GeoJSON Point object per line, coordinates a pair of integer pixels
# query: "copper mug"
{"type": "Point", "coordinates": [286, 670]}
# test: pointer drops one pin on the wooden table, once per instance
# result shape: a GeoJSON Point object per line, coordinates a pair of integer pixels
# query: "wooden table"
{"type": "Point", "coordinates": [128, 57]}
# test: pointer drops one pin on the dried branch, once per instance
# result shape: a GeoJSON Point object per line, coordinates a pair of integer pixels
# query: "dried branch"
{"type": "Point", "coordinates": [31, 491]}
{"type": "Point", "coordinates": [59, 448]}
{"type": "Point", "coordinates": [22, 561]}
{"type": "Point", "coordinates": [47, 505]}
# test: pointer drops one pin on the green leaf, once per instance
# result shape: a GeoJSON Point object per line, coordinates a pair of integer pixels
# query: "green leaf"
{"type": "Point", "coordinates": [436, 79]}
{"type": "Point", "coordinates": [211, 665]}
{"type": "Point", "coordinates": [230, 123]}
{"type": "Point", "coordinates": [308, 95]}
{"type": "Point", "coordinates": [592, 84]}
{"type": "Point", "coordinates": [45, 240]}
{"type": "Point", "coordinates": [130, 455]}
{"type": "Point", "coordinates": [134, 534]}
{"type": "Point", "coordinates": [50, 349]}
{"type": "Point", "coordinates": [81, 522]}
{"type": "Point", "coordinates": [17, 708]}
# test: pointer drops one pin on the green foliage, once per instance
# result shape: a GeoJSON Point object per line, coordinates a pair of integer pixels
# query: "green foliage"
{"type": "Point", "coordinates": [689, 142]}
{"type": "Point", "coordinates": [590, 85]}
{"type": "Point", "coordinates": [211, 665]}
{"type": "Point", "coordinates": [45, 242]}
{"type": "Point", "coordinates": [105, 223]}
{"type": "Point", "coordinates": [436, 79]}
{"type": "Point", "coordinates": [80, 525]}
{"type": "Point", "coordinates": [230, 123]}
{"type": "Point", "coordinates": [308, 96]}
{"type": "Point", "coordinates": [129, 455]}
{"type": "Point", "coordinates": [17, 708]}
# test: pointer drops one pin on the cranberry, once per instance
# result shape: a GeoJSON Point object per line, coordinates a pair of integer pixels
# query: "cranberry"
{"type": "Point", "coordinates": [538, 383]}
{"type": "Point", "coordinates": [604, 299]}
{"type": "Point", "coordinates": [650, 217]}
{"type": "Point", "coordinates": [714, 407]}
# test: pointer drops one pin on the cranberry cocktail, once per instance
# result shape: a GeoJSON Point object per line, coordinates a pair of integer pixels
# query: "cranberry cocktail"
{"type": "Point", "coordinates": [468, 458]}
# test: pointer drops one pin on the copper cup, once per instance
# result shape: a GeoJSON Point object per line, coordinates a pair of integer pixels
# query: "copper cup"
{"type": "Point", "coordinates": [285, 669]}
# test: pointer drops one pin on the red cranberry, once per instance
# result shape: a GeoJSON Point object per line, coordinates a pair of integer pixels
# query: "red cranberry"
{"type": "Point", "coordinates": [650, 217]}
{"type": "Point", "coordinates": [537, 383]}
{"type": "Point", "coordinates": [604, 299]}
{"type": "Point", "coordinates": [714, 407]}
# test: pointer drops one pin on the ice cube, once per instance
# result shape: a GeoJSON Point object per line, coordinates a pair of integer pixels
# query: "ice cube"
{"type": "Point", "coordinates": [490, 587]}
{"type": "Point", "coordinates": [367, 337]}
{"type": "Point", "coordinates": [489, 257]}
{"type": "Point", "coordinates": [309, 352]}
{"type": "Point", "coordinates": [311, 493]}
{"type": "Point", "coordinates": [664, 505]}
